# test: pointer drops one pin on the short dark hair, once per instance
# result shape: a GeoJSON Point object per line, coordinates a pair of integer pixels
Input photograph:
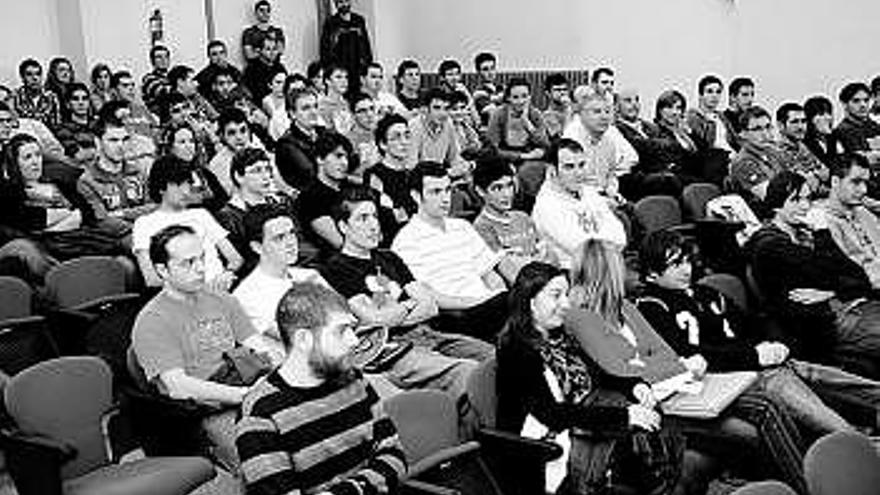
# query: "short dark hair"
{"type": "Point", "coordinates": [332, 67]}
{"type": "Point", "coordinates": [156, 49]}
{"type": "Point", "coordinates": [562, 144]}
{"type": "Point", "coordinates": [107, 117]}
{"type": "Point", "coordinates": [357, 98]}
{"type": "Point", "coordinates": [230, 115]}
{"type": "Point", "coordinates": [405, 65]}
{"type": "Point", "coordinates": [292, 96]}
{"type": "Point", "coordinates": [385, 123]}
{"type": "Point", "coordinates": [166, 171]}
{"type": "Point", "coordinates": [350, 197]}
{"type": "Point", "coordinates": [875, 85]}
{"type": "Point", "coordinates": [482, 58]}
{"type": "Point", "coordinates": [739, 83]}
{"type": "Point", "coordinates": [852, 89]}
{"type": "Point", "coordinates": [26, 64]}
{"type": "Point", "coordinates": [435, 93]}
{"type": "Point", "coordinates": [328, 142]}
{"type": "Point", "coordinates": [306, 305]}
{"type": "Point", "coordinates": [168, 101]}
{"type": "Point", "coordinates": [514, 82]}
{"type": "Point", "coordinates": [750, 114]}
{"type": "Point", "coordinates": [425, 169]}
{"type": "Point", "coordinates": [555, 79]}
{"type": "Point", "coordinates": [159, 242]}
{"type": "Point", "coordinates": [222, 72]}
{"type": "Point", "coordinates": [817, 105]}
{"type": "Point", "coordinates": [707, 81]}
{"type": "Point", "coordinates": [489, 170]}
{"type": "Point", "coordinates": [656, 248]}
{"type": "Point", "coordinates": [842, 166]}
{"type": "Point", "coordinates": [244, 158]}
{"type": "Point", "coordinates": [598, 73]}
{"type": "Point", "coordinates": [365, 69]}
{"type": "Point", "coordinates": [448, 65]}
{"type": "Point", "coordinates": [262, 3]}
{"type": "Point", "coordinates": [255, 219]}
{"type": "Point", "coordinates": [178, 73]}
{"type": "Point", "coordinates": [456, 97]}
{"type": "Point", "coordinates": [213, 43]}
{"type": "Point", "coordinates": [785, 109]}
{"type": "Point", "coordinates": [314, 68]}
{"type": "Point", "coordinates": [118, 76]}
{"type": "Point", "coordinates": [781, 187]}
{"type": "Point", "coordinates": [290, 80]}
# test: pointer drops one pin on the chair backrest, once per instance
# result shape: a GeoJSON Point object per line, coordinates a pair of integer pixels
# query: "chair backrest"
{"type": "Point", "coordinates": [15, 298]}
{"type": "Point", "coordinates": [842, 462]}
{"type": "Point", "coordinates": [65, 399]}
{"type": "Point", "coordinates": [426, 421]}
{"type": "Point", "coordinates": [482, 392]}
{"type": "Point", "coordinates": [82, 281]}
{"type": "Point", "coordinates": [765, 488]}
{"type": "Point", "coordinates": [696, 195]}
{"type": "Point", "coordinates": [728, 285]}
{"type": "Point", "coordinates": [657, 213]}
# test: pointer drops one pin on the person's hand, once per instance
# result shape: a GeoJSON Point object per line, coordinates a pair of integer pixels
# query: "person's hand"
{"type": "Point", "coordinates": [809, 296]}
{"type": "Point", "coordinates": [696, 364]}
{"type": "Point", "coordinates": [222, 282]}
{"type": "Point", "coordinates": [816, 219]}
{"type": "Point", "coordinates": [643, 417]}
{"type": "Point", "coordinates": [771, 353]}
{"type": "Point", "coordinates": [643, 393]}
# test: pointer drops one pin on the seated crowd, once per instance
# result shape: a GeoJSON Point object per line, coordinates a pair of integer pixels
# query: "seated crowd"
{"type": "Point", "coordinates": [278, 218]}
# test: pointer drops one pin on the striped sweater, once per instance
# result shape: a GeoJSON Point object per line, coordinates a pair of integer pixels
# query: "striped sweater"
{"type": "Point", "coordinates": [334, 438]}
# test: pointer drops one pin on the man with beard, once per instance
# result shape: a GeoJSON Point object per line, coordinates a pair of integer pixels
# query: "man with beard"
{"type": "Point", "coordinates": [315, 425]}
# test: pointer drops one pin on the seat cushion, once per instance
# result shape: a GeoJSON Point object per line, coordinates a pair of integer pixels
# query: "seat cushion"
{"type": "Point", "coordinates": [152, 476]}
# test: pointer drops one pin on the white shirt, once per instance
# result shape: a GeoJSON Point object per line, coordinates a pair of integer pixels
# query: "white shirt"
{"type": "Point", "coordinates": [451, 260]}
{"type": "Point", "coordinates": [566, 221]}
{"type": "Point", "coordinates": [625, 155]}
{"type": "Point", "coordinates": [259, 294]}
{"type": "Point", "coordinates": [387, 103]}
{"type": "Point", "coordinates": [208, 230]}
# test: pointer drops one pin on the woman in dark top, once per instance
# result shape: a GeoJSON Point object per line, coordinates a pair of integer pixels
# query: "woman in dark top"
{"type": "Point", "coordinates": [180, 141]}
{"type": "Point", "coordinates": [615, 438]}
{"type": "Point", "coordinates": [820, 122]}
{"type": "Point", "coordinates": [819, 296]}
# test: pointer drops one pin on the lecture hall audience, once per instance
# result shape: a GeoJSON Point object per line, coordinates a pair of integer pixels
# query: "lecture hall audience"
{"type": "Point", "coordinates": [510, 204]}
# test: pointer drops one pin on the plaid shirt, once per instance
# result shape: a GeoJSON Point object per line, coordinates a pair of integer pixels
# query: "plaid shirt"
{"type": "Point", "coordinates": [44, 107]}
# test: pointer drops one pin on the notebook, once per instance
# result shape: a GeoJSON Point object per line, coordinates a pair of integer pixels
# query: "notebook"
{"type": "Point", "coordinates": [718, 391]}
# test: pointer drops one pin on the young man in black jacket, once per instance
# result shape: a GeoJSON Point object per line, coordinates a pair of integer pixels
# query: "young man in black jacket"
{"type": "Point", "coordinates": [697, 320]}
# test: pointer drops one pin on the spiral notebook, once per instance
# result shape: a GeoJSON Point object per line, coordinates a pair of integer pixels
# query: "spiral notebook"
{"type": "Point", "coordinates": [718, 391]}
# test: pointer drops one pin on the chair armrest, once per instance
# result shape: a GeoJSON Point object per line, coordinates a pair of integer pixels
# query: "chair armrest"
{"type": "Point", "coordinates": [416, 487]}
{"type": "Point", "coordinates": [494, 441]}
{"type": "Point", "coordinates": [13, 439]}
{"type": "Point", "coordinates": [441, 457]}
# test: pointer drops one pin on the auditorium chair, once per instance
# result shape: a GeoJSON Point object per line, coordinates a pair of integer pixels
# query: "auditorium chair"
{"type": "Point", "coordinates": [842, 463]}
{"type": "Point", "coordinates": [68, 438]}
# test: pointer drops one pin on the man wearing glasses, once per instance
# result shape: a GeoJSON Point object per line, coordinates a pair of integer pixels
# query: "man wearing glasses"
{"type": "Point", "coordinates": [757, 161]}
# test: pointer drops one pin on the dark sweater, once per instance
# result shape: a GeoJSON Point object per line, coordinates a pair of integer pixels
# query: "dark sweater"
{"type": "Point", "coordinates": [703, 322]}
{"type": "Point", "coordinates": [523, 390]}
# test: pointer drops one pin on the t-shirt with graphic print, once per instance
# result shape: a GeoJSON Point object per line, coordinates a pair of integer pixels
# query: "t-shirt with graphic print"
{"type": "Point", "coordinates": [382, 277]}
{"type": "Point", "coordinates": [191, 333]}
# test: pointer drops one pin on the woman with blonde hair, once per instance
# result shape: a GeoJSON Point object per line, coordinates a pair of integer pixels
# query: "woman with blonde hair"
{"type": "Point", "coordinates": [617, 337]}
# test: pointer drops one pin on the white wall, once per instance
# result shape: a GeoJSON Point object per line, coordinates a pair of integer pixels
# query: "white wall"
{"type": "Point", "coordinates": [116, 32]}
{"type": "Point", "coordinates": [793, 48]}
{"type": "Point", "coordinates": [27, 29]}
